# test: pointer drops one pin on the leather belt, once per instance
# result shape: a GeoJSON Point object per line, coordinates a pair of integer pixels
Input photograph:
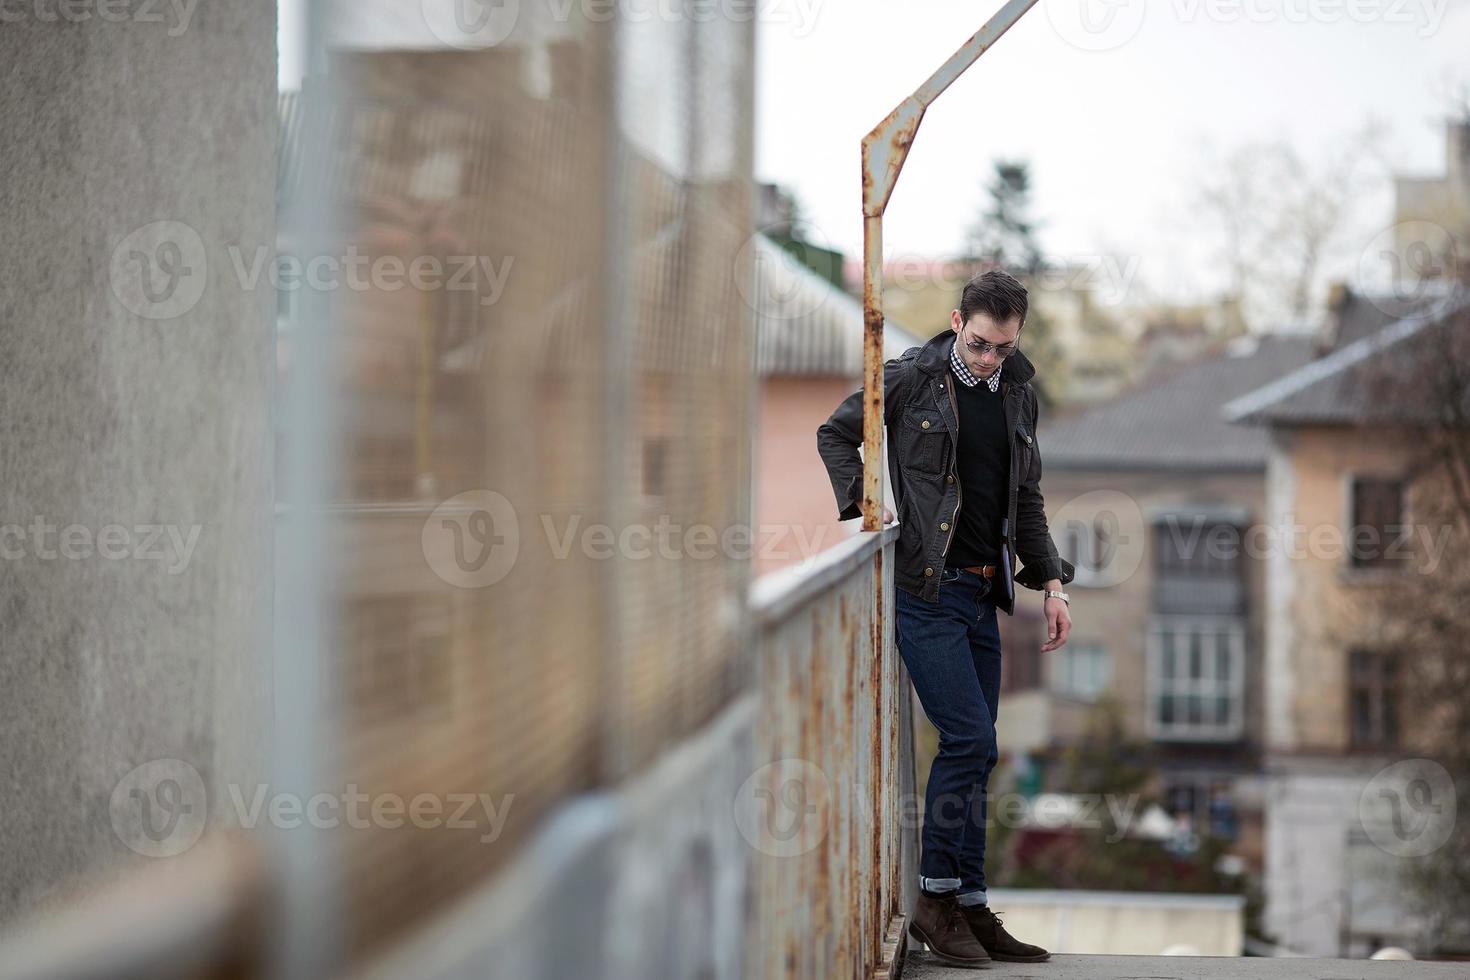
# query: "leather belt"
{"type": "Point", "coordinates": [984, 571]}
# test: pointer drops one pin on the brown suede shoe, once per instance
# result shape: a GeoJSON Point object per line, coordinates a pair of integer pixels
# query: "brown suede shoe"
{"type": "Point", "coordinates": [1000, 944]}
{"type": "Point", "coordinates": [939, 924]}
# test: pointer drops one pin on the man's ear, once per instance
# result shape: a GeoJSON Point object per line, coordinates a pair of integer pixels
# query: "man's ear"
{"type": "Point", "coordinates": [954, 321]}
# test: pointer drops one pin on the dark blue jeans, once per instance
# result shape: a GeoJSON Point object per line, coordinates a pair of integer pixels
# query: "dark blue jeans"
{"type": "Point", "coordinates": [952, 651]}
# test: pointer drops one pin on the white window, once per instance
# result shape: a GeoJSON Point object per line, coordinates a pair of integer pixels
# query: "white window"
{"type": "Point", "coordinates": [1080, 670]}
{"type": "Point", "coordinates": [1196, 677]}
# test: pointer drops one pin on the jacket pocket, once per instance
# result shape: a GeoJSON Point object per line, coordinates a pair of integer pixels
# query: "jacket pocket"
{"type": "Point", "coordinates": [1025, 447]}
{"type": "Point", "coordinates": [923, 439]}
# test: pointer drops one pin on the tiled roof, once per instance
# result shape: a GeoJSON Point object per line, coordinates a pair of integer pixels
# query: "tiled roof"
{"type": "Point", "coordinates": [1173, 420]}
{"type": "Point", "coordinates": [1333, 390]}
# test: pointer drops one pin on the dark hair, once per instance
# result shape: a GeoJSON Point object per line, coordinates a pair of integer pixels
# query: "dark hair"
{"type": "Point", "coordinates": [998, 294]}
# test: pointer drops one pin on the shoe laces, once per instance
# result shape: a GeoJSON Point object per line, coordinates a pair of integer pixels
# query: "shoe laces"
{"type": "Point", "coordinates": [986, 910]}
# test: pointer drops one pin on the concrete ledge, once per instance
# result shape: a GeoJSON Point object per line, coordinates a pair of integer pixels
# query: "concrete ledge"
{"type": "Point", "coordinates": [779, 594]}
{"type": "Point", "coordinates": [922, 966]}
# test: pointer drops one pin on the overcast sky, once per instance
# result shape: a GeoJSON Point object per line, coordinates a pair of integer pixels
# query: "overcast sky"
{"type": "Point", "coordinates": [1117, 104]}
{"type": "Point", "coordinates": [1115, 136]}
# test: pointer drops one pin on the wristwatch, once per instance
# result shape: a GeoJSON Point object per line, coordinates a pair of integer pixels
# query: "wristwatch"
{"type": "Point", "coordinates": [1054, 594]}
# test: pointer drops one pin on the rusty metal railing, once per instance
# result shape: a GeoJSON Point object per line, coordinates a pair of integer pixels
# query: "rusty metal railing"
{"type": "Point", "coordinates": [884, 151]}
{"type": "Point", "coordinates": [836, 857]}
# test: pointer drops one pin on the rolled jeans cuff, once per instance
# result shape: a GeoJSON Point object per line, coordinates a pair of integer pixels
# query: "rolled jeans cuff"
{"type": "Point", "coordinates": [939, 885]}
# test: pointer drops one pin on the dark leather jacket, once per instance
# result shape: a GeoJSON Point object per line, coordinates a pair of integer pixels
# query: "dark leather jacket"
{"type": "Point", "coordinates": [922, 419]}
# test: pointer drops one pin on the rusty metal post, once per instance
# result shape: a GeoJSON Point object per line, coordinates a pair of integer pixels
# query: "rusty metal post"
{"type": "Point", "coordinates": [872, 371]}
{"type": "Point", "coordinates": [884, 151]}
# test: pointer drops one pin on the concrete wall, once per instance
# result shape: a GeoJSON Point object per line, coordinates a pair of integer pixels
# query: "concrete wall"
{"type": "Point", "coordinates": [795, 511]}
{"type": "Point", "coordinates": [1319, 608]}
{"type": "Point", "coordinates": [1326, 606]}
{"type": "Point", "coordinates": [128, 404]}
{"type": "Point", "coordinates": [1123, 922]}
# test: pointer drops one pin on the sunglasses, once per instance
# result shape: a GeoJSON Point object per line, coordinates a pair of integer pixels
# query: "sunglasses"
{"type": "Point", "coordinates": [979, 347]}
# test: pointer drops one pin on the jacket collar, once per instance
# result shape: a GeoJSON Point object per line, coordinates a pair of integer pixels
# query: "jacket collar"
{"type": "Point", "coordinates": [933, 359]}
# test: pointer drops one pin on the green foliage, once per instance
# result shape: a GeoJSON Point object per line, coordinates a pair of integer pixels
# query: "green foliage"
{"type": "Point", "coordinates": [1107, 765]}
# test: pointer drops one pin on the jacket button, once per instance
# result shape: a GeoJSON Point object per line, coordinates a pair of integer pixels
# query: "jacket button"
{"type": "Point", "coordinates": [928, 572]}
{"type": "Point", "coordinates": [944, 526]}
{"type": "Point", "coordinates": [924, 424]}
{"type": "Point", "coordinates": [949, 479]}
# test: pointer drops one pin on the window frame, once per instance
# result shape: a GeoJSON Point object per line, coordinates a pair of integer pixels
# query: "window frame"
{"type": "Point", "coordinates": [1069, 655]}
{"type": "Point", "coordinates": [1382, 564]}
{"type": "Point", "coordinates": [1207, 685]}
{"type": "Point", "coordinates": [1389, 686]}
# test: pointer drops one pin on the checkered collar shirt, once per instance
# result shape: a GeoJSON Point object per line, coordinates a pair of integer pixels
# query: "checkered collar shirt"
{"type": "Point", "coordinates": [963, 373]}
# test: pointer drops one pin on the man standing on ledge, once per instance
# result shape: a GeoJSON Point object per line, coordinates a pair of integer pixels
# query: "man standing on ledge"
{"type": "Point", "coordinates": [965, 468]}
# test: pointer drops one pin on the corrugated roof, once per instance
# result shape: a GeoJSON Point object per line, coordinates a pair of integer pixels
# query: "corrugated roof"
{"type": "Point", "coordinates": [805, 326]}
{"type": "Point", "coordinates": [1330, 390]}
{"type": "Point", "coordinates": [1174, 420]}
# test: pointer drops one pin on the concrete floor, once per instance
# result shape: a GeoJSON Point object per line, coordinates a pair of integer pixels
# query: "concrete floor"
{"type": "Point", "coordinates": [1072, 966]}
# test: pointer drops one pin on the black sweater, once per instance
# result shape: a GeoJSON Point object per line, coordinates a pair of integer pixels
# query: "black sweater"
{"type": "Point", "coordinates": [983, 465]}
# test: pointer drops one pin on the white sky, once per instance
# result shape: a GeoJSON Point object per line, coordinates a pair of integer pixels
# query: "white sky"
{"type": "Point", "coordinates": [1113, 136]}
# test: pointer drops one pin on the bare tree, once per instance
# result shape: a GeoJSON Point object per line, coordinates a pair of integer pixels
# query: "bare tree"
{"type": "Point", "coordinates": [1277, 216]}
{"type": "Point", "coordinates": [1424, 391]}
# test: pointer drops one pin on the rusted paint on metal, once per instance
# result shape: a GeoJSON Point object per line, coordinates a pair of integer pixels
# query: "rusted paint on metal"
{"type": "Point", "coordinates": [885, 149]}
{"type": "Point", "coordinates": [872, 373]}
{"type": "Point", "coordinates": [828, 686]}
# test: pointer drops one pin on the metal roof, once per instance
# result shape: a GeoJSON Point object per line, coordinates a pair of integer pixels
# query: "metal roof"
{"type": "Point", "coordinates": [1330, 390]}
{"type": "Point", "coordinates": [1173, 421]}
{"type": "Point", "coordinates": [805, 326]}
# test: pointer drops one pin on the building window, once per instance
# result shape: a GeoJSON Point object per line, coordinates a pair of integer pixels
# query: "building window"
{"type": "Point", "coordinates": [1373, 699]}
{"type": "Point", "coordinates": [1376, 522]}
{"type": "Point", "coordinates": [656, 466]}
{"type": "Point", "coordinates": [1080, 670]}
{"type": "Point", "coordinates": [1196, 677]}
{"type": "Point", "coordinates": [1193, 548]}
{"type": "Point", "coordinates": [1021, 638]}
